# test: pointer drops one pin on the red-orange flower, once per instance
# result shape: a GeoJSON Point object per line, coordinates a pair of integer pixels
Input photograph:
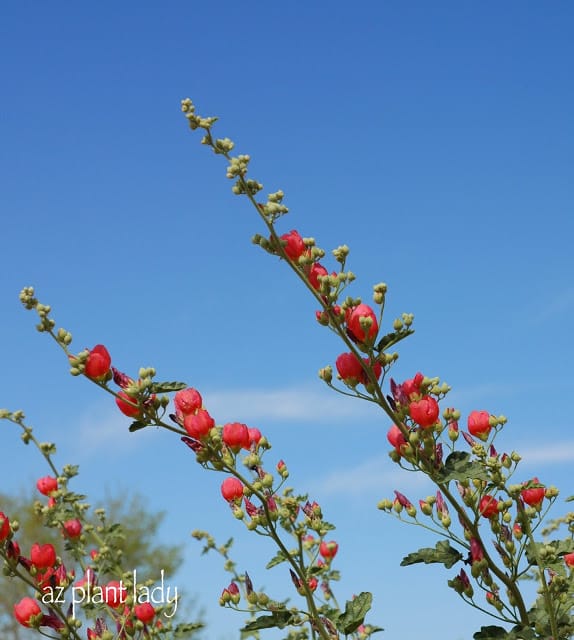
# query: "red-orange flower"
{"type": "Point", "coordinates": [231, 489]}
{"type": "Point", "coordinates": [4, 526]}
{"type": "Point", "coordinates": [328, 549]}
{"type": "Point", "coordinates": [28, 612]}
{"type": "Point", "coordinates": [98, 363]}
{"type": "Point", "coordinates": [47, 485]}
{"type": "Point", "coordinates": [144, 612]}
{"type": "Point", "coordinates": [43, 556]}
{"type": "Point", "coordinates": [114, 593]}
{"type": "Point", "coordinates": [73, 528]}
{"type": "Point", "coordinates": [187, 401]}
{"type": "Point", "coordinates": [236, 436]}
{"type": "Point", "coordinates": [534, 493]}
{"type": "Point", "coordinates": [357, 320]}
{"type": "Point", "coordinates": [488, 506]}
{"type": "Point", "coordinates": [293, 245]}
{"type": "Point", "coordinates": [479, 424]}
{"type": "Point", "coordinates": [424, 411]}
{"type": "Point", "coordinates": [198, 425]}
{"type": "Point", "coordinates": [128, 405]}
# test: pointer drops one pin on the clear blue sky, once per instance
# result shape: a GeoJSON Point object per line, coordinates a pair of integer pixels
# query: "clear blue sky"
{"type": "Point", "coordinates": [436, 139]}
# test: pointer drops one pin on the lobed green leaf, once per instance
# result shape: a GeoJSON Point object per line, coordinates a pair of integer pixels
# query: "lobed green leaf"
{"type": "Point", "coordinates": [443, 553]}
{"type": "Point", "coordinates": [355, 611]}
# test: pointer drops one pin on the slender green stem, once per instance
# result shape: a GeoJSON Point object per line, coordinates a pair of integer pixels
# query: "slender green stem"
{"type": "Point", "coordinates": [541, 576]}
{"type": "Point", "coordinates": [503, 577]}
{"type": "Point", "coordinates": [299, 571]}
{"type": "Point", "coordinates": [379, 397]}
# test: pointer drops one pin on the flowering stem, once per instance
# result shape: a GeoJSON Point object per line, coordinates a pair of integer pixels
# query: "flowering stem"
{"type": "Point", "coordinates": [540, 566]}
{"type": "Point", "coordinates": [473, 529]}
{"type": "Point", "coordinates": [272, 532]}
{"type": "Point", "coordinates": [379, 398]}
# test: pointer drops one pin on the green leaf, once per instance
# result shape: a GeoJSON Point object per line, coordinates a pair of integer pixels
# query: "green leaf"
{"type": "Point", "coordinates": [166, 387]}
{"type": "Point", "coordinates": [372, 629]}
{"type": "Point", "coordinates": [355, 611]}
{"type": "Point", "coordinates": [278, 559]}
{"type": "Point", "coordinates": [458, 466]}
{"type": "Point", "coordinates": [73, 497]}
{"type": "Point", "coordinates": [137, 425]}
{"type": "Point", "coordinates": [392, 338]}
{"type": "Point", "coordinates": [279, 619]}
{"type": "Point", "coordinates": [183, 630]}
{"type": "Point", "coordinates": [498, 633]}
{"type": "Point", "coordinates": [558, 547]}
{"type": "Point", "coordinates": [442, 553]}
{"type": "Point", "coordinates": [490, 633]}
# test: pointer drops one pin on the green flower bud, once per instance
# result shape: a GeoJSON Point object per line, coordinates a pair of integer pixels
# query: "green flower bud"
{"type": "Point", "coordinates": [453, 434]}
{"type": "Point", "coordinates": [551, 492]}
{"type": "Point", "coordinates": [408, 318]}
{"type": "Point", "coordinates": [267, 480]}
{"type": "Point", "coordinates": [341, 253]}
{"type": "Point", "coordinates": [426, 508]}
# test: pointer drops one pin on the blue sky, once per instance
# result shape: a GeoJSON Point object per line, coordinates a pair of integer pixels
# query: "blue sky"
{"type": "Point", "coordinates": [435, 139]}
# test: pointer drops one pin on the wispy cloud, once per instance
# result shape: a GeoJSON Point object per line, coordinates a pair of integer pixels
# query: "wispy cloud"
{"type": "Point", "coordinates": [483, 392]}
{"type": "Point", "coordinates": [105, 429]}
{"type": "Point", "coordinates": [551, 454]}
{"type": "Point", "coordinates": [375, 476]}
{"type": "Point", "coordinates": [103, 425]}
{"type": "Point", "coordinates": [296, 404]}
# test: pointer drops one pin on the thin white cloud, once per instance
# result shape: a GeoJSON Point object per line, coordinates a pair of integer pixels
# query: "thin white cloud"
{"type": "Point", "coordinates": [380, 476]}
{"type": "Point", "coordinates": [483, 392]}
{"type": "Point", "coordinates": [102, 424]}
{"type": "Point", "coordinates": [296, 404]}
{"type": "Point", "coordinates": [105, 428]}
{"type": "Point", "coordinates": [375, 476]}
{"type": "Point", "coordinates": [551, 454]}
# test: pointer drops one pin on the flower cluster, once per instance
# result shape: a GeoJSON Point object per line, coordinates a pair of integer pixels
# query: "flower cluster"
{"type": "Point", "coordinates": [88, 547]}
{"type": "Point", "coordinates": [486, 521]}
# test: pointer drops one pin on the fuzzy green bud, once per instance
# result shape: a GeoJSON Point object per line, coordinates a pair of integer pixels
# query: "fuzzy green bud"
{"type": "Point", "coordinates": [551, 492]}
{"type": "Point", "coordinates": [408, 319]}
{"type": "Point", "coordinates": [425, 507]}
{"type": "Point", "coordinates": [267, 480]}
{"type": "Point", "coordinates": [341, 253]}
{"type": "Point", "coordinates": [453, 434]}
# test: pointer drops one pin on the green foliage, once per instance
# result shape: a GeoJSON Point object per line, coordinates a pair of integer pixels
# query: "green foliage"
{"type": "Point", "coordinates": [498, 633]}
{"type": "Point", "coordinates": [166, 387]}
{"type": "Point", "coordinates": [443, 553]}
{"type": "Point", "coordinates": [277, 619]}
{"type": "Point", "coordinates": [136, 540]}
{"type": "Point", "coordinates": [458, 466]}
{"type": "Point", "coordinates": [355, 611]}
